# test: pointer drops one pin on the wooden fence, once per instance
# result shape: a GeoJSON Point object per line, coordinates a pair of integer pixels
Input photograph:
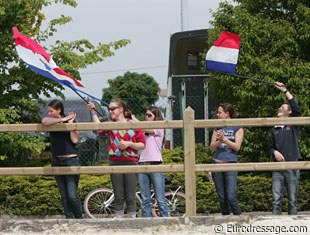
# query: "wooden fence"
{"type": "Point", "coordinates": [189, 168]}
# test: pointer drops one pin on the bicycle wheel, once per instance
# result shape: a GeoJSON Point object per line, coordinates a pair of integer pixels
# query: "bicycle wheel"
{"type": "Point", "coordinates": [99, 203]}
{"type": "Point", "coordinates": [176, 204]}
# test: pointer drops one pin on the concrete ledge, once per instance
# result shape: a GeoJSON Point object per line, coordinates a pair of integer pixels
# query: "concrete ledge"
{"type": "Point", "coordinates": [76, 226]}
{"type": "Point", "coordinates": [37, 225]}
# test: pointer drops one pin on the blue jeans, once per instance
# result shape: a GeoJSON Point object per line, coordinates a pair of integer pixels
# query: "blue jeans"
{"type": "Point", "coordinates": [226, 188]}
{"type": "Point", "coordinates": [290, 180]}
{"type": "Point", "coordinates": [68, 188]}
{"type": "Point", "coordinates": [158, 182]}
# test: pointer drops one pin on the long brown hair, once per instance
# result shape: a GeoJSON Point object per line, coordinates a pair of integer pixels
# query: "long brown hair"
{"type": "Point", "coordinates": [227, 107]}
{"type": "Point", "coordinates": [121, 103]}
{"type": "Point", "coordinates": [157, 113]}
{"type": "Point", "coordinates": [157, 117]}
{"type": "Point", "coordinates": [57, 104]}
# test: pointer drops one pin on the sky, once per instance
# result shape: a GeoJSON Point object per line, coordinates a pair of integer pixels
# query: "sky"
{"type": "Point", "coordinates": [148, 24]}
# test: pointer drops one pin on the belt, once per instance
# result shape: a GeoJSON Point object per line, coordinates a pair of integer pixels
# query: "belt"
{"type": "Point", "coordinates": [67, 156]}
{"type": "Point", "coordinates": [150, 163]}
{"type": "Point", "coordinates": [220, 161]}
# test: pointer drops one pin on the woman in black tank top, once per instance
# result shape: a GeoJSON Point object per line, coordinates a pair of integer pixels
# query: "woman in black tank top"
{"type": "Point", "coordinates": [63, 147]}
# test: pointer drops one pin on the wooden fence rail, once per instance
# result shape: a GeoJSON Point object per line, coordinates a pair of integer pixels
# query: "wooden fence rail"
{"type": "Point", "coordinates": [168, 124]}
{"type": "Point", "coordinates": [100, 170]}
{"type": "Point", "coordinates": [189, 168]}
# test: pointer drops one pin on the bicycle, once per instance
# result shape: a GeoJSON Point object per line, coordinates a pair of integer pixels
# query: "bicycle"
{"type": "Point", "coordinates": [175, 202]}
{"type": "Point", "coordinates": [100, 203]}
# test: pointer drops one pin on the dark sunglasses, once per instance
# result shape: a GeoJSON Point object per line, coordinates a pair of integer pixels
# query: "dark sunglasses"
{"type": "Point", "coordinates": [148, 115]}
{"type": "Point", "coordinates": [113, 108]}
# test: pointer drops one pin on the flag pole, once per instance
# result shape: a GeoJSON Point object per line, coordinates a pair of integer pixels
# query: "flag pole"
{"type": "Point", "coordinates": [245, 77]}
{"type": "Point", "coordinates": [253, 79]}
{"type": "Point", "coordinates": [101, 101]}
{"type": "Point", "coordinates": [86, 101]}
{"type": "Point", "coordinates": [79, 95]}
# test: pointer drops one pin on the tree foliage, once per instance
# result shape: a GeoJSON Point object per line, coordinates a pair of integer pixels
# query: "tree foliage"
{"type": "Point", "coordinates": [138, 90]}
{"type": "Point", "coordinates": [275, 46]}
{"type": "Point", "coordinates": [22, 88]}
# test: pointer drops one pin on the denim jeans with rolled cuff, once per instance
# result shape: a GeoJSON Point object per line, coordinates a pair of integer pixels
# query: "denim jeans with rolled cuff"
{"type": "Point", "coordinates": [280, 180]}
{"type": "Point", "coordinates": [158, 182]}
{"type": "Point", "coordinates": [226, 187]}
{"type": "Point", "coordinates": [68, 188]}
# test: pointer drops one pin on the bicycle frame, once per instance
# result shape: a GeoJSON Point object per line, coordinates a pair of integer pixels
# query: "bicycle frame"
{"type": "Point", "coordinates": [175, 191]}
{"type": "Point", "coordinates": [108, 202]}
{"type": "Point", "coordinates": [105, 205]}
{"type": "Point", "coordinates": [139, 197]}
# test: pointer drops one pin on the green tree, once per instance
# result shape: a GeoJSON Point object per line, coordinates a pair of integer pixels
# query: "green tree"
{"type": "Point", "coordinates": [275, 46]}
{"type": "Point", "coordinates": [138, 90]}
{"type": "Point", "coordinates": [20, 87]}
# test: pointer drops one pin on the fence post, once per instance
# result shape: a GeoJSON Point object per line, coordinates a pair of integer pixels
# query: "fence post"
{"type": "Point", "coordinates": [189, 161]}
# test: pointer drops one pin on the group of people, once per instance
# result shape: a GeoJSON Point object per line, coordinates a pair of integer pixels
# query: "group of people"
{"type": "Point", "coordinates": [283, 146]}
{"type": "Point", "coordinates": [133, 147]}
{"type": "Point", "coordinates": [126, 147]}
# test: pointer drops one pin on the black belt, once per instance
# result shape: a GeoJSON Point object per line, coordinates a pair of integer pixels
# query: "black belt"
{"type": "Point", "coordinates": [150, 163]}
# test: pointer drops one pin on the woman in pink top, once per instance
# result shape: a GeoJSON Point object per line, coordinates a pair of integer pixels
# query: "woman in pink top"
{"type": "Point", "coordinates": [152, 155]}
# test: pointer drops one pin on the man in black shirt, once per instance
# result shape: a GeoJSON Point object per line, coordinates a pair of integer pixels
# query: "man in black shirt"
{"type": "Point", "coordinates": [284, 147]}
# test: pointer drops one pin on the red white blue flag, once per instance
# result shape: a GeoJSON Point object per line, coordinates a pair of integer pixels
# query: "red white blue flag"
{"type": "Point", "coordinates": [40, 61]}
{"type": "Point", "coordinates": [223, 55]}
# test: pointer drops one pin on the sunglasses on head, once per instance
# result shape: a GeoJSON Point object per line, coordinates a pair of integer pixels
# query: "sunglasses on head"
{"type": "Point", "coordinates": [113, 108]}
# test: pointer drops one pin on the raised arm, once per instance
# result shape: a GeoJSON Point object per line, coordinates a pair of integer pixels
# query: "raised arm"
{"type": "Point", "coordinates": [283, 89]}
{"type": "Point", "coordinates": [94, 115]}
{"type": "Point", "coordinates": [291, 100]}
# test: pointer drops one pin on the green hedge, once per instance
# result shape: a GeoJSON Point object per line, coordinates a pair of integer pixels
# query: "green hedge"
{"type": "Point", "coordinates": [38, 195]}
{"type": "Point", "coordinates": [254, 193]}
